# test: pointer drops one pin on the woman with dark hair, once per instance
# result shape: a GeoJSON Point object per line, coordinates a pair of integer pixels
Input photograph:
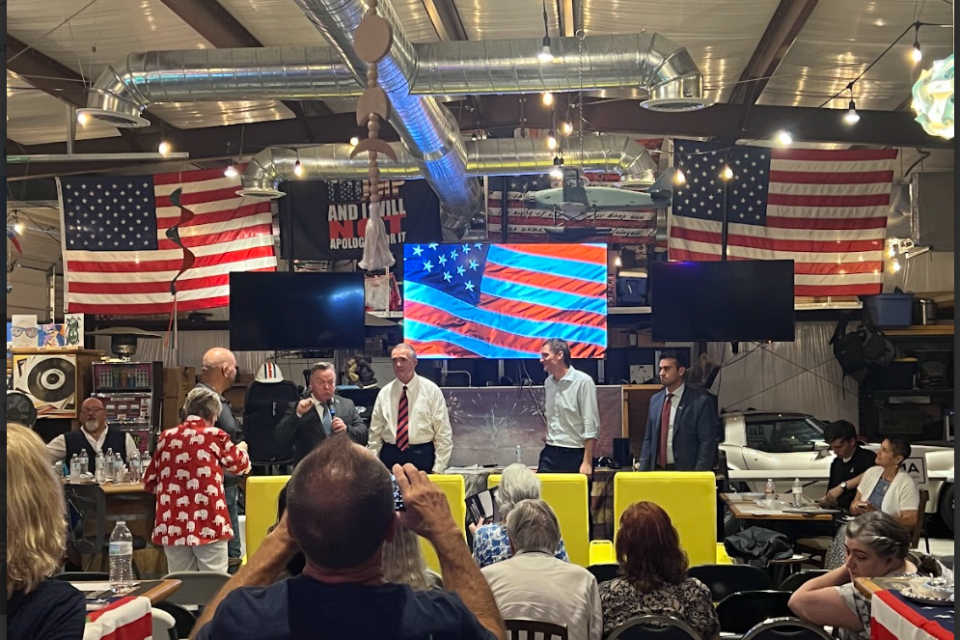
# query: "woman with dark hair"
{"type": "Point", "coordinates": [877, 545]}
{"type": "Point", "coordinates": [654, 578]}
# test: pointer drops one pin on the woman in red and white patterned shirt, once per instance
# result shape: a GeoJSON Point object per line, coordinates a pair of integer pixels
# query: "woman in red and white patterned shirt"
{"type": "Point", "coordinates": [186, 474]}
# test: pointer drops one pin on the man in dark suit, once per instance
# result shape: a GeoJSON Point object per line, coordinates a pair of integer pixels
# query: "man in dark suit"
{"type": "Point", "coordinates": [321, 414]}
{"type": "Point", "coordinates": [682, 423]}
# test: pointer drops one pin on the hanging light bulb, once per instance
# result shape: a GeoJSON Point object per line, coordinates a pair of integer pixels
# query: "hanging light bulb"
{"type": "Point", "coordinates": [726, 173]}
{"type": "Point", "coordinates": [18, 227]}
{"type": "Point", "coordinates": [557, 172]}
{"type": "Point", "coordinates": [566, 128]}
{"type": "Point", "coordinates": [551, 141]}
{"type": "Point", "coordinates": [164, 148]}
{"type": "Point", "coordinates": [896, 265]}
{"type": "Point", "coordinates": [618, 261]}
{"type": "Point", "coordinates": [354, 141]}
{"type": "Point", "coordinates": [892, 251]}
{"type": "Point", "coordinates": [297, 168]}
{"type": "Point", "coordinates": [785, 138]}
{"type": "Point", "coordinates": [679, 178]}
{"type": "Point", "coordinates": [851, 116]}
{"type": "Point", "coordinates": [231, 172]}
{"type": "Point", "coordinates": [915, 53]}
{"type": "Point", "coordinates": [547, 98]}
{"type": "Point", "coordinates": [82, 118]}
{"type": "Point", "coordinates": [545, 55]}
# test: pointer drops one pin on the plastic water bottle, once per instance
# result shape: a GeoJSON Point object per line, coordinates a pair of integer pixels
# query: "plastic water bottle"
{"type": "Point", "coordinates": [84, 462]}
{"type": "Point", "coordinates": [117, 463]}
{"type": "Point", "coordinates": [75, 467]}
{"type": "Point", "coordinates": [135, 470]}
{"type": "Point", "coordinates": [144, 464]}
{"type": "Point", "coordinates": [519, 454]}
{"type": "Point", "coordinates": [121, 558]}
{"type": "Point", "coordinates": [797, 493]}
{"type": "Point", "coordinates": [769, 492]}
{"type": "Point", "coordinates": [100, 468]}
{"type": "Point", "coordinates": [109, 468]}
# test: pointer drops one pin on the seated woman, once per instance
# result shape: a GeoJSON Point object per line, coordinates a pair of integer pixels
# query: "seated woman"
{"type": "Point", "coordinates": [403, 562]}
{"type": "Point", "coordinates": [882, 488]}
{"type": "Point", "coordinates": [490, 541]}
{"type": "Point", "coordinates": [877, 545]}
{"type": "Point", "coordinates": [654, 578]}
{"type": "Point", "coordinates": [37, 607]}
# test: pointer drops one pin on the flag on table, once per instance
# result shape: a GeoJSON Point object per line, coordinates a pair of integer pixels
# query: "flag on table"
{"type": "Point", "coordinates": [118, 259]}
{"type": "Point", "coordinates": [504, 301]}
{"type": "Point", "coordinates": [824, 209]}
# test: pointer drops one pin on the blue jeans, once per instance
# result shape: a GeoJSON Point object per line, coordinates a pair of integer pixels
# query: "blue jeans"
{"type": "Point", "coordinates": [232, 496]}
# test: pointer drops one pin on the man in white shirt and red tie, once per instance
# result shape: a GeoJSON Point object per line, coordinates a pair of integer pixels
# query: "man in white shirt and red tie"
{"type": "Point", "coordinates": [410, 422]}
{"type": "Point", "coordinates": [681, 425]}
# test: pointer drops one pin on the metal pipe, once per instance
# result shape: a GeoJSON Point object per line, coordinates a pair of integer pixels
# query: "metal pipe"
{"type": "Point", "coordinates": [96, 157]}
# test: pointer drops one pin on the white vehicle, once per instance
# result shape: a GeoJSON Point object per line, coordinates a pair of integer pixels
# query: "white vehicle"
{"type": "Point", "coordinates": [766, 444]}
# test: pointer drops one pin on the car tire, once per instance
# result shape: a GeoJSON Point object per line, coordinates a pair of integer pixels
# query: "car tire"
{"type": "Point", "coordinates": [946, 506]}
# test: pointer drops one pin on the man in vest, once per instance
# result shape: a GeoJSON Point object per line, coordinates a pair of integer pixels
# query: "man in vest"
{"type": "Point", "coordinates": [93, 435]}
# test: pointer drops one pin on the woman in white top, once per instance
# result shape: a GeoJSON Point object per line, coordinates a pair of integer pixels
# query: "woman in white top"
{"type": "Point", "coordinates": [883, 488]}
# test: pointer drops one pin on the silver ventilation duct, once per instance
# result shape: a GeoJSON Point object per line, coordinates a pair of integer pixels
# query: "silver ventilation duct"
{"type": "Point", "coordinates": [613, 154]}
{"type": "Point", "coordinates": [613, 64]}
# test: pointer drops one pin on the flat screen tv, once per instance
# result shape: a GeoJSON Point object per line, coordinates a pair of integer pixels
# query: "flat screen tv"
{"type": "Point", "coordinates": [287, 311]}
{"type": "Point", "coordinates": [733, 301]}
{"type": "Point", "coordinates": [474, 300]}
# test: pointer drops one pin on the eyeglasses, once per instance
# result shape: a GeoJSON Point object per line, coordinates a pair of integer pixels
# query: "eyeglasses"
{"type": "Point", "coordinates": [32, 332]}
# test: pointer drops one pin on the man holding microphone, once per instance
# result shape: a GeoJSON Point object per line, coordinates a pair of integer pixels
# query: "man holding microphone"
{"type": "Point", "coordinates": [320, 415]}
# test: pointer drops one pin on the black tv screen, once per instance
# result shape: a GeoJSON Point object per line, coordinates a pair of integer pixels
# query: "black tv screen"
{"type": "Point", "coordinates": [286, 311]}
{"type": "Point", "coordinates": [734, 301]}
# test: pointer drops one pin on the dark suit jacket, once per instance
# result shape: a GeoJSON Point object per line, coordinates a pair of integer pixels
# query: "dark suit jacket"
{"type": "Point", "coordinates": [694, 431]}
{"type": "Point", "coordinates": [307, 432]}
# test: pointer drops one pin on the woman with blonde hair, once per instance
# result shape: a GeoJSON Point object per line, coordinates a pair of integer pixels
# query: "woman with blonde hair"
{"type": "Point", "coordinates": [403, 562]}
{"type": "Point", "coordinates": [37, 607]}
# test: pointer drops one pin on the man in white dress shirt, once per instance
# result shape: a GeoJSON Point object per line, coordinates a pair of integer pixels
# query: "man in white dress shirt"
{"type": "Point", "coordinates": [94, 436]}
{"type": "Point", "coordinates": [534, 585]}
{"type": "Point", "coordinates": [573, 419]}
{"type": "Point", "coordinates": [410, 423]}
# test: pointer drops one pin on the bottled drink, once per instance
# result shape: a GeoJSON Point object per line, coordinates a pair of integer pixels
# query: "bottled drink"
{"type": "Point", "coordinates": [144, 464]}
{"type": "Point", "coordinates": [75, 467]}
{"type": "Point", "coordinates": [109, 468]}
{"type": "Point", "coordinates": [797, 493]}
{"type": "Point", "coordinates": [135, 470]}
{"type": "Point", "coordinates": [100, 468]}
{"type": "Point", "coordinates": [121, 558]}
{"type": "Point", "coordinates": [519, 454]}
{"type": "Point", "coordinates": [769, 492]}
{"type": "Point", "coordinates": [117, 462]}
{"type": "Point", "coordinates": [84, 462]}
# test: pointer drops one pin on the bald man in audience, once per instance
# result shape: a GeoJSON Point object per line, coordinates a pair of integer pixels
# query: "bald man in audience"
{"type": "Point", "coordinates": [219, 372]}
{"type": "Point", "coordinates": [94, 435]}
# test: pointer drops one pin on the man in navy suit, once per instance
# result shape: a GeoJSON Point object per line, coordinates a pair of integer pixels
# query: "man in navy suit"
{"type": "Point", "coordinates": [682, 423]}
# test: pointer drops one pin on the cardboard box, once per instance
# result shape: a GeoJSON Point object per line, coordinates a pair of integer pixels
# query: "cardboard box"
{"type": "Point", "coordinates": [177, 383]}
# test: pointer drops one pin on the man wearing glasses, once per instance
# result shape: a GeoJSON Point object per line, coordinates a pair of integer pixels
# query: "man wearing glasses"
{"type": "Point", "coordinates": [93, 436]}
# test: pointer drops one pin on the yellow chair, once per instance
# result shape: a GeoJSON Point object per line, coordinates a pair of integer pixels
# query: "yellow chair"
{"type": "Point", "coordinates": [567, 495]}
{"type": "Point", "coordinates": [453, 487]}
{"type": "Point", "coordinates": [262, 493]}
{"type": "Point", "coordinates": [688, 497]}
{"type": "Point", "coordinates": [602, 552]}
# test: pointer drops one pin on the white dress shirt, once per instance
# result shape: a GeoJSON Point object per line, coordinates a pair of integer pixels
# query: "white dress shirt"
{"type": "Point", "coordinates": [428, 419]}
{"type": "Point", "coordinates": [57, 448]}
{"type": "Point", "coordinates": [572, 413]}
{"type": "Point", "coordinates": [674, 405]}
{"type": "Point", "coordinates": [536, 586]}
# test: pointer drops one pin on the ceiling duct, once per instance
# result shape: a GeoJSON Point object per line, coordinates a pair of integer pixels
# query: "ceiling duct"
{"type": "Point", "coordinates": [526, 156]}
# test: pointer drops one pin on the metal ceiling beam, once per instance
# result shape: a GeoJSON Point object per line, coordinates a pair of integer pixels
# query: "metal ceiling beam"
{"type": "Point", "coordinates": [45, 73]}
{"type": "Point", "coordinates": [781, 32]}
{"type": "Point", "coordinates": [569, 14]}
{"type": "Point", "coordinates": [446, 20]}
{"type": "Point", "coordinates": [215, 24]}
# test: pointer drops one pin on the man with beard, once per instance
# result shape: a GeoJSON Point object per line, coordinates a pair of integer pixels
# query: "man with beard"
{"type": "Point", "coordinates": [94, 435]}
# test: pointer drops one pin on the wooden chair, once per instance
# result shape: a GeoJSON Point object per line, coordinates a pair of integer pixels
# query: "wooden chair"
{"type": "Point", "coordinates": [919, 529]}
{"type": "Point", "coordinates": [535, 630]}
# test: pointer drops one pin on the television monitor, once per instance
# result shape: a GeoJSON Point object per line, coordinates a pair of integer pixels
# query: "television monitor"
{"type": "Point", "coordinates": [477, 300]}
{"type": "Point", "coordinates": [733, 301]}
{"type": "Point", "coordinates": [287, 311]}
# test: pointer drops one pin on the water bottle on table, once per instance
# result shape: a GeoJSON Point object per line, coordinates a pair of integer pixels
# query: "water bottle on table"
{"type": "Point", "coordinates": [121, 559]}
{"type": "Point", "coordinates": [75, 467]}
{"type": "Point", "coordinates": [108, 469]}
{"type": "Point", "coordinates": [797, 493]}
{"type": "Point", "coordinates": [769, 493]}
{"type": "Point", "coordinates": [136, 471]}
{"type": "Point", "coordinates": [100, 468]}
{"type": "Point", "coordinates": [84, 462]}
{"type": "Point", "coordinates": [519, 455]}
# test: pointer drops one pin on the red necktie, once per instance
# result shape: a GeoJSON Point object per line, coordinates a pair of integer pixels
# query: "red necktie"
{"type": "Point", "coordinates": [403, 419]}
{"type": "Point", "coordinates": [664, 431]}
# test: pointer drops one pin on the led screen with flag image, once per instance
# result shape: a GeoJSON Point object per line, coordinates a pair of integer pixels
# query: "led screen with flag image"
{"type": "Point", "coordinates": [504, 300]}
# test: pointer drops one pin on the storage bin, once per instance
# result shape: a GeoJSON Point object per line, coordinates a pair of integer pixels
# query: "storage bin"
{"type": "Point", "coordinates": [890, 310]}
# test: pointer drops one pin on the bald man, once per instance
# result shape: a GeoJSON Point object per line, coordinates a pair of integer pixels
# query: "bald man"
{"type": "Point", "coordinates": [218, 372]}
{"type": "Point", "coordinates": [94, 436]}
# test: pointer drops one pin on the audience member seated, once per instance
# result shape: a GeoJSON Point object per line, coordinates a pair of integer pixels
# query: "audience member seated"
{"type": "Point", "coordinates": [490, 541]}
{"type": "Point", "coordinates": [535, 585]}
{"type": "Point", "coordinates": [192, 521]}
{"type": "Point", "coordinates": [37, 607]}
{"type": "Point", "coordinates": [340, 512]}
{"type": "Point", "coordinates": [654, 578]}
{"type": "Point", "coordinates": [877, 545]}
{"type": "Point", "coordinates": [403, 562]}
{"type": "Point", "coordinates": [882, 488]}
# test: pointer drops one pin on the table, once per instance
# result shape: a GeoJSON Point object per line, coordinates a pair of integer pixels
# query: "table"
{"type": "Point", "coordinates": [893, 617]}
{"type": "Point", "coordinates": [750, 511]}
{"type": "Point", "coordinates": [153, 590]}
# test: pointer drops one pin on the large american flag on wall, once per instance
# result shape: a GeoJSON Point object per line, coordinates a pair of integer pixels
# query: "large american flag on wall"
{"type": "Point", "coordinates": [116, 255]}
{"type": "Point", "coordinates": [824, 209]}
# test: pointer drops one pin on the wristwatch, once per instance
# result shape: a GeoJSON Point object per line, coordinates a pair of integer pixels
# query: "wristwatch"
{"type": "Point", "coordinates": [843, 485]}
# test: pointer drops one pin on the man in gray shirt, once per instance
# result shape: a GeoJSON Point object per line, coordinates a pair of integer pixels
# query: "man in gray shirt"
{"type": "Point", "coordinates": [573, 419]}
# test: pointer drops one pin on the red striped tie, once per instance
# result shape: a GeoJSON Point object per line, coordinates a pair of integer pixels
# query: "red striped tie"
{"type": "Point", "coordinates": [403, 419]}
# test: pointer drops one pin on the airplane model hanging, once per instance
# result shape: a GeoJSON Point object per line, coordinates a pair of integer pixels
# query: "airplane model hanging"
{"type": "Point", "coordinates": [574, 197]}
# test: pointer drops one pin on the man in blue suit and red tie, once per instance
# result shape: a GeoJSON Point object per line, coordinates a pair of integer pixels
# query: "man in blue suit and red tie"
{"type": "Point", "coordinates": [682, 423]}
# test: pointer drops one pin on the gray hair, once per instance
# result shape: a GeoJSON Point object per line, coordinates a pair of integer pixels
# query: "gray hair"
{"type": "Point", "coordinates": [532, 526]}
{"type": "Point", "coordinates": [321, 366]}
{"type": "Point", "coordinates": [882, 533]}
{"type": "Point", "coordinates": [517, 483]}
{"type": "Point", "coordinates": [403, 561]}
{"type": "Point", "coordinates": [203, 402]}
{"type": "Point", "coordinates": [410, 350]}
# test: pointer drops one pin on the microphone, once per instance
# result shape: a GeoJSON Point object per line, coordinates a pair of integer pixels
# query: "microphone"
{"type": "Point", "coordinates": [333, 413]}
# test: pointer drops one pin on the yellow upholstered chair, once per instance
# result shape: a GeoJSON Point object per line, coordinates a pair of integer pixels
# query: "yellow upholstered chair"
{"type": "Point", "coordinates": [602, 552]}
{"type": "Point", "coordinates": [688, 497]}
{"type": "Point", "coordinates": [453, 487]}
{"type": "Point", "coordinates": [567, 495]}
{"type": "Point", "coordinates": [262, 493]}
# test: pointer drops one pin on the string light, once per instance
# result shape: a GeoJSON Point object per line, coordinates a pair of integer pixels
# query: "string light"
{"type": "Point", "coordinates": [297, 168]}
{"type": "Point", "coordinates": [892, 251]}
{"type": "Point", "coordinates": [557, 172]}
{"type": "Point", "coordinates": [545, 55]}
{"type": "Point", "coordinates": [915, 53]}
{"type": "Point", "coordinates": [82, 118]}
{"type": "Point", "coordinates": [679, 178]}
{"type": "Point", "coordinates": [727, 172]}
{"type": "Point", "coordinates": [547, 98]}
{"type": "Point", "coordinates": [18, 227]}
{"type": "Point", "coordinates": [551, 141]}
{"type": "Point", "coordinates": [617, 262]}
{"type": "Point", "coordinates": [896, 265]}
{"type": "Point", "coordinates": [354, 141]}
{"type": "Point", "coordinates": [231, 172]}
{"type": "Point", "coordinates": [566, 128]}
{"type": "Point", "coordinates": [851, 117]}
{"type": "Point", "coordinates": [164, 148]}
{"type": "Point", "coordinates": [785, 138]}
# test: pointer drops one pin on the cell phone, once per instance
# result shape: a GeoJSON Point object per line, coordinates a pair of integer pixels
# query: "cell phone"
{"type": "Point", "coordinates": [397, 498]}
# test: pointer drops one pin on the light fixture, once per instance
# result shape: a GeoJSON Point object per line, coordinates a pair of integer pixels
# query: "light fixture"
{"type": "Point", "coordinates": [551, 141]}
{"type": "Point", "coordinates": [566, 128]}
{"type": "Point", "coordinates": [933, 99]}
{"type": "Point", "coordinates": [679, 178]}
{"type": "Point", "coordinates": [726, 173]}
{"type": "Point", "coordinates": [547, 98]}
{"type": "Point", "coordinates": [545, 55]}
{"type": "Point", "coordinates": [892, 251]}
{"type": "Point", "coordinates": [785, 138]}
{"type": "Point", "coordinates": [231, 171]}
{"type": "Point", "coordinates": [617, 262]}
{"type": "Point", "coordinates": [354, 141]}
{"type": "Point", "coordinates": [915, 53]}
{"type": "Point", "coordinates": [298, 168]}
{"type": "Point", "coordinates": [851, 116]}
{"type": "Point", "coordinates": [896, 265]}
{"type": "Point", "coordinates": [18, 227]}
{"type": "Point", "coordinates": [557, 172]}
{"type": "Point", "coordinates": [164, 148]}
{"type": "Point", "coordinates": [82, 118]}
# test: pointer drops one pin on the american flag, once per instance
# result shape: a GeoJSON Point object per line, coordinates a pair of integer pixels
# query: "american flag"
{"type": "Point", "coordinates": [823, 209]}
{"type": "Point", "coordinates": [529, 225]}
{"type": "Point", "coordinates": [503, 301]}
{"type": "Point", "coordinates": [118, 259]}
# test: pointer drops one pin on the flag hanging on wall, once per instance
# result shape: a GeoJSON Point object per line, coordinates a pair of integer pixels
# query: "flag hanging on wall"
{"type": "Point", "coordinates": [824, 209]}
{"type": "Point", "coordinates": [119, 260]}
